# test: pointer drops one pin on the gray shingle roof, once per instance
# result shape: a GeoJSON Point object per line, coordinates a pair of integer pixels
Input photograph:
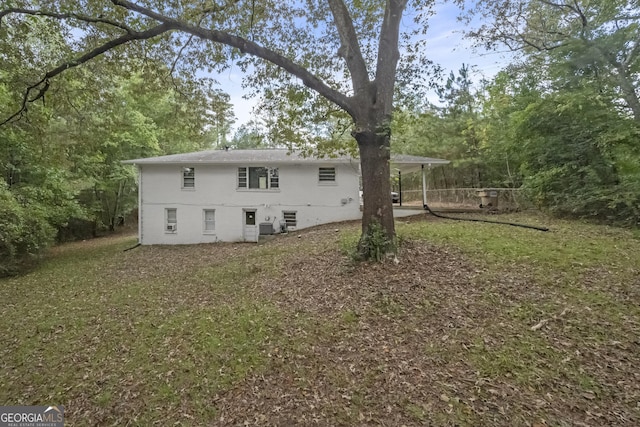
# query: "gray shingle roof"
{"type": "Point", "coordinates": [238, 156]}
{"type": "Point", "coordinates": [269, 156]}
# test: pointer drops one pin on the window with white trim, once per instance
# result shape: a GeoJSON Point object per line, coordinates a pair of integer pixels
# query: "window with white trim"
{"type": "Point", "coordinates": [258, 178]}
{"type": "Point", "coordinates": [188, 178]}
{"type": "Point", "coordinates": [326, 175]}
{"type": "Point", "coordinates": [209, 221]}
{"type": "Point", "coordinates": [290, 219]}
{"type": "Point", "coordinates": [171, 220]}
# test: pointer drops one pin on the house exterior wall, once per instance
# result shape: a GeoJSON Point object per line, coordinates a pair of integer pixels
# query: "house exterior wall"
{"type": "Point", "coordinates": [216, 188]}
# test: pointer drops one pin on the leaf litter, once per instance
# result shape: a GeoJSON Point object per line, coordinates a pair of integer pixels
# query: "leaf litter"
{"type": "Point", "coordinates": [438, 339]}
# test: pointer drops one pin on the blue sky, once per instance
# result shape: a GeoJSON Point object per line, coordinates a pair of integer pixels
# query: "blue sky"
{"type": "Point", "coordinates": [447, 47]}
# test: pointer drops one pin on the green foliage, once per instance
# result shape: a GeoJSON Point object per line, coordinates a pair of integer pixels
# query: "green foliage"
{"type": "Point", "coordinates": [582, 42]}
{"type": "Point", "coordinates": [24, 232]}
{"type": "Point", "coordinates": [62, 160]}
{"type": "Point", "coordinates": [565, 142]}
{"type": "Point", "coordinates": [453, 131]}
{"type": "Point", "coordinates": [249, 135]}
{"type": "Point", "coordinates": [510, 92]}
{"type": "Point", "coordinates": [571, 144]}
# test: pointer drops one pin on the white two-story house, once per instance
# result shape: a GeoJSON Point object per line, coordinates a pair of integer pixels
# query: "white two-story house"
{"type": "Point", "coordinates": [237, 195]}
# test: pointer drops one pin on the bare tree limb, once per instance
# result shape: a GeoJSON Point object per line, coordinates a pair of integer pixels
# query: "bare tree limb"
{"type": "Point", "coordinates": [543, 322]}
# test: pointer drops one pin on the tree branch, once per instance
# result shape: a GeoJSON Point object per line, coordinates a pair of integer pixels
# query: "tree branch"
{"type": "Point", "coordinates": [350, 48]}
{"type": "Point", "coordinates": [169, 24]}
{"type": "Point", "coordinates": [388, 54]}
{"type": "Point", "coordinates": [583, 18]}
{"type": "Point", "coordinates": [631, 55]}
{"type": "Point", "coordinates": [43, 84]}
{"type": "Point", "coordinates": [250, 47]}
{"type": "Point", "coordinates": [63, 16]}
{"type": "Point", "coordinates": [179, 54]}
{"type": "Point", "coordinates": [558, 5]}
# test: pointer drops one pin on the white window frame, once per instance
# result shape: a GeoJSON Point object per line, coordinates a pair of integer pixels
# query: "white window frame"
{"type": "Point", "coordinates": [290, 219]}
{"type": "Point", "coordinates": [327, 175]}
{"type": "Point", "coordinates": [170, 224]}
{"type": "Point", "coordinates": [272, 181]}
{"type": "Point", "coordinates": [206, 222]}
{"type": "Point", "coordinates": [188, 178]}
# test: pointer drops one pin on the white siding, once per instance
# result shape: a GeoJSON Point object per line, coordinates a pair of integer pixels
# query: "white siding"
{"type": "Point", "coordinates": [216, 188]}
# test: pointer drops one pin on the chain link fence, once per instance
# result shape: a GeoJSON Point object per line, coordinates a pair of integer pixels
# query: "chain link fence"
{"type": "Point", "coordinates": [468, 198]}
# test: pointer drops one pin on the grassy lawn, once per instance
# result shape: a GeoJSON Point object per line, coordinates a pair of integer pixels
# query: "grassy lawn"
{"type": "Point", "coordinates": [478, 324]}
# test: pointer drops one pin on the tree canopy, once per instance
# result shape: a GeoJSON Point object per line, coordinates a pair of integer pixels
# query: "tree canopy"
{"type": "Point", "coordinates": [61, 162]}
{"type": "Point", "coordinates": [577, 40]}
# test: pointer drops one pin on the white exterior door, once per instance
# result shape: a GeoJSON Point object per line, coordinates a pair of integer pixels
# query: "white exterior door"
{"type": "Point", "coordinates": [250, 226]}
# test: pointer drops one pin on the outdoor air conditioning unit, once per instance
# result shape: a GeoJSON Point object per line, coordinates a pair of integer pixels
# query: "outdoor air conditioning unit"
{"type": "Point", "coordinates": [172, 227]}
{"type": "Point", "coordinates": [266, 228]}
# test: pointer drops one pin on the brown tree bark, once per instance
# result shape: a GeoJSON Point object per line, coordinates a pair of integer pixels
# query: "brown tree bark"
{"type": "Point", "coordinates": [376, 187]}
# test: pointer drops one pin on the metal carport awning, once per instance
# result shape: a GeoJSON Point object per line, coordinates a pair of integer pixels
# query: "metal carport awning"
{"type": "Point", "coordinates": [408, 164]}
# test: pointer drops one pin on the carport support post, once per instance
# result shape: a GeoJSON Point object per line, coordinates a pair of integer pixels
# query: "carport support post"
{"type": "Point", "coordinates": [424, 188]}
{"type": "Point", "coordinates": [400, 187]}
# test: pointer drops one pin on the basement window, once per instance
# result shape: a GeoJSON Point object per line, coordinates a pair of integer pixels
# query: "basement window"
{"type": "Point", "coordinates": [290, 219]}
{"type": "Point", "coordinates": [171, 220]}
{"type": "Point", "coordinates": [209, 218]}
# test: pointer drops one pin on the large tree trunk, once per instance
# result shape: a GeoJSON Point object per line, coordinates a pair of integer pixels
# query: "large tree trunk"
{"type": "Point", "coordinates": [376, 188]}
